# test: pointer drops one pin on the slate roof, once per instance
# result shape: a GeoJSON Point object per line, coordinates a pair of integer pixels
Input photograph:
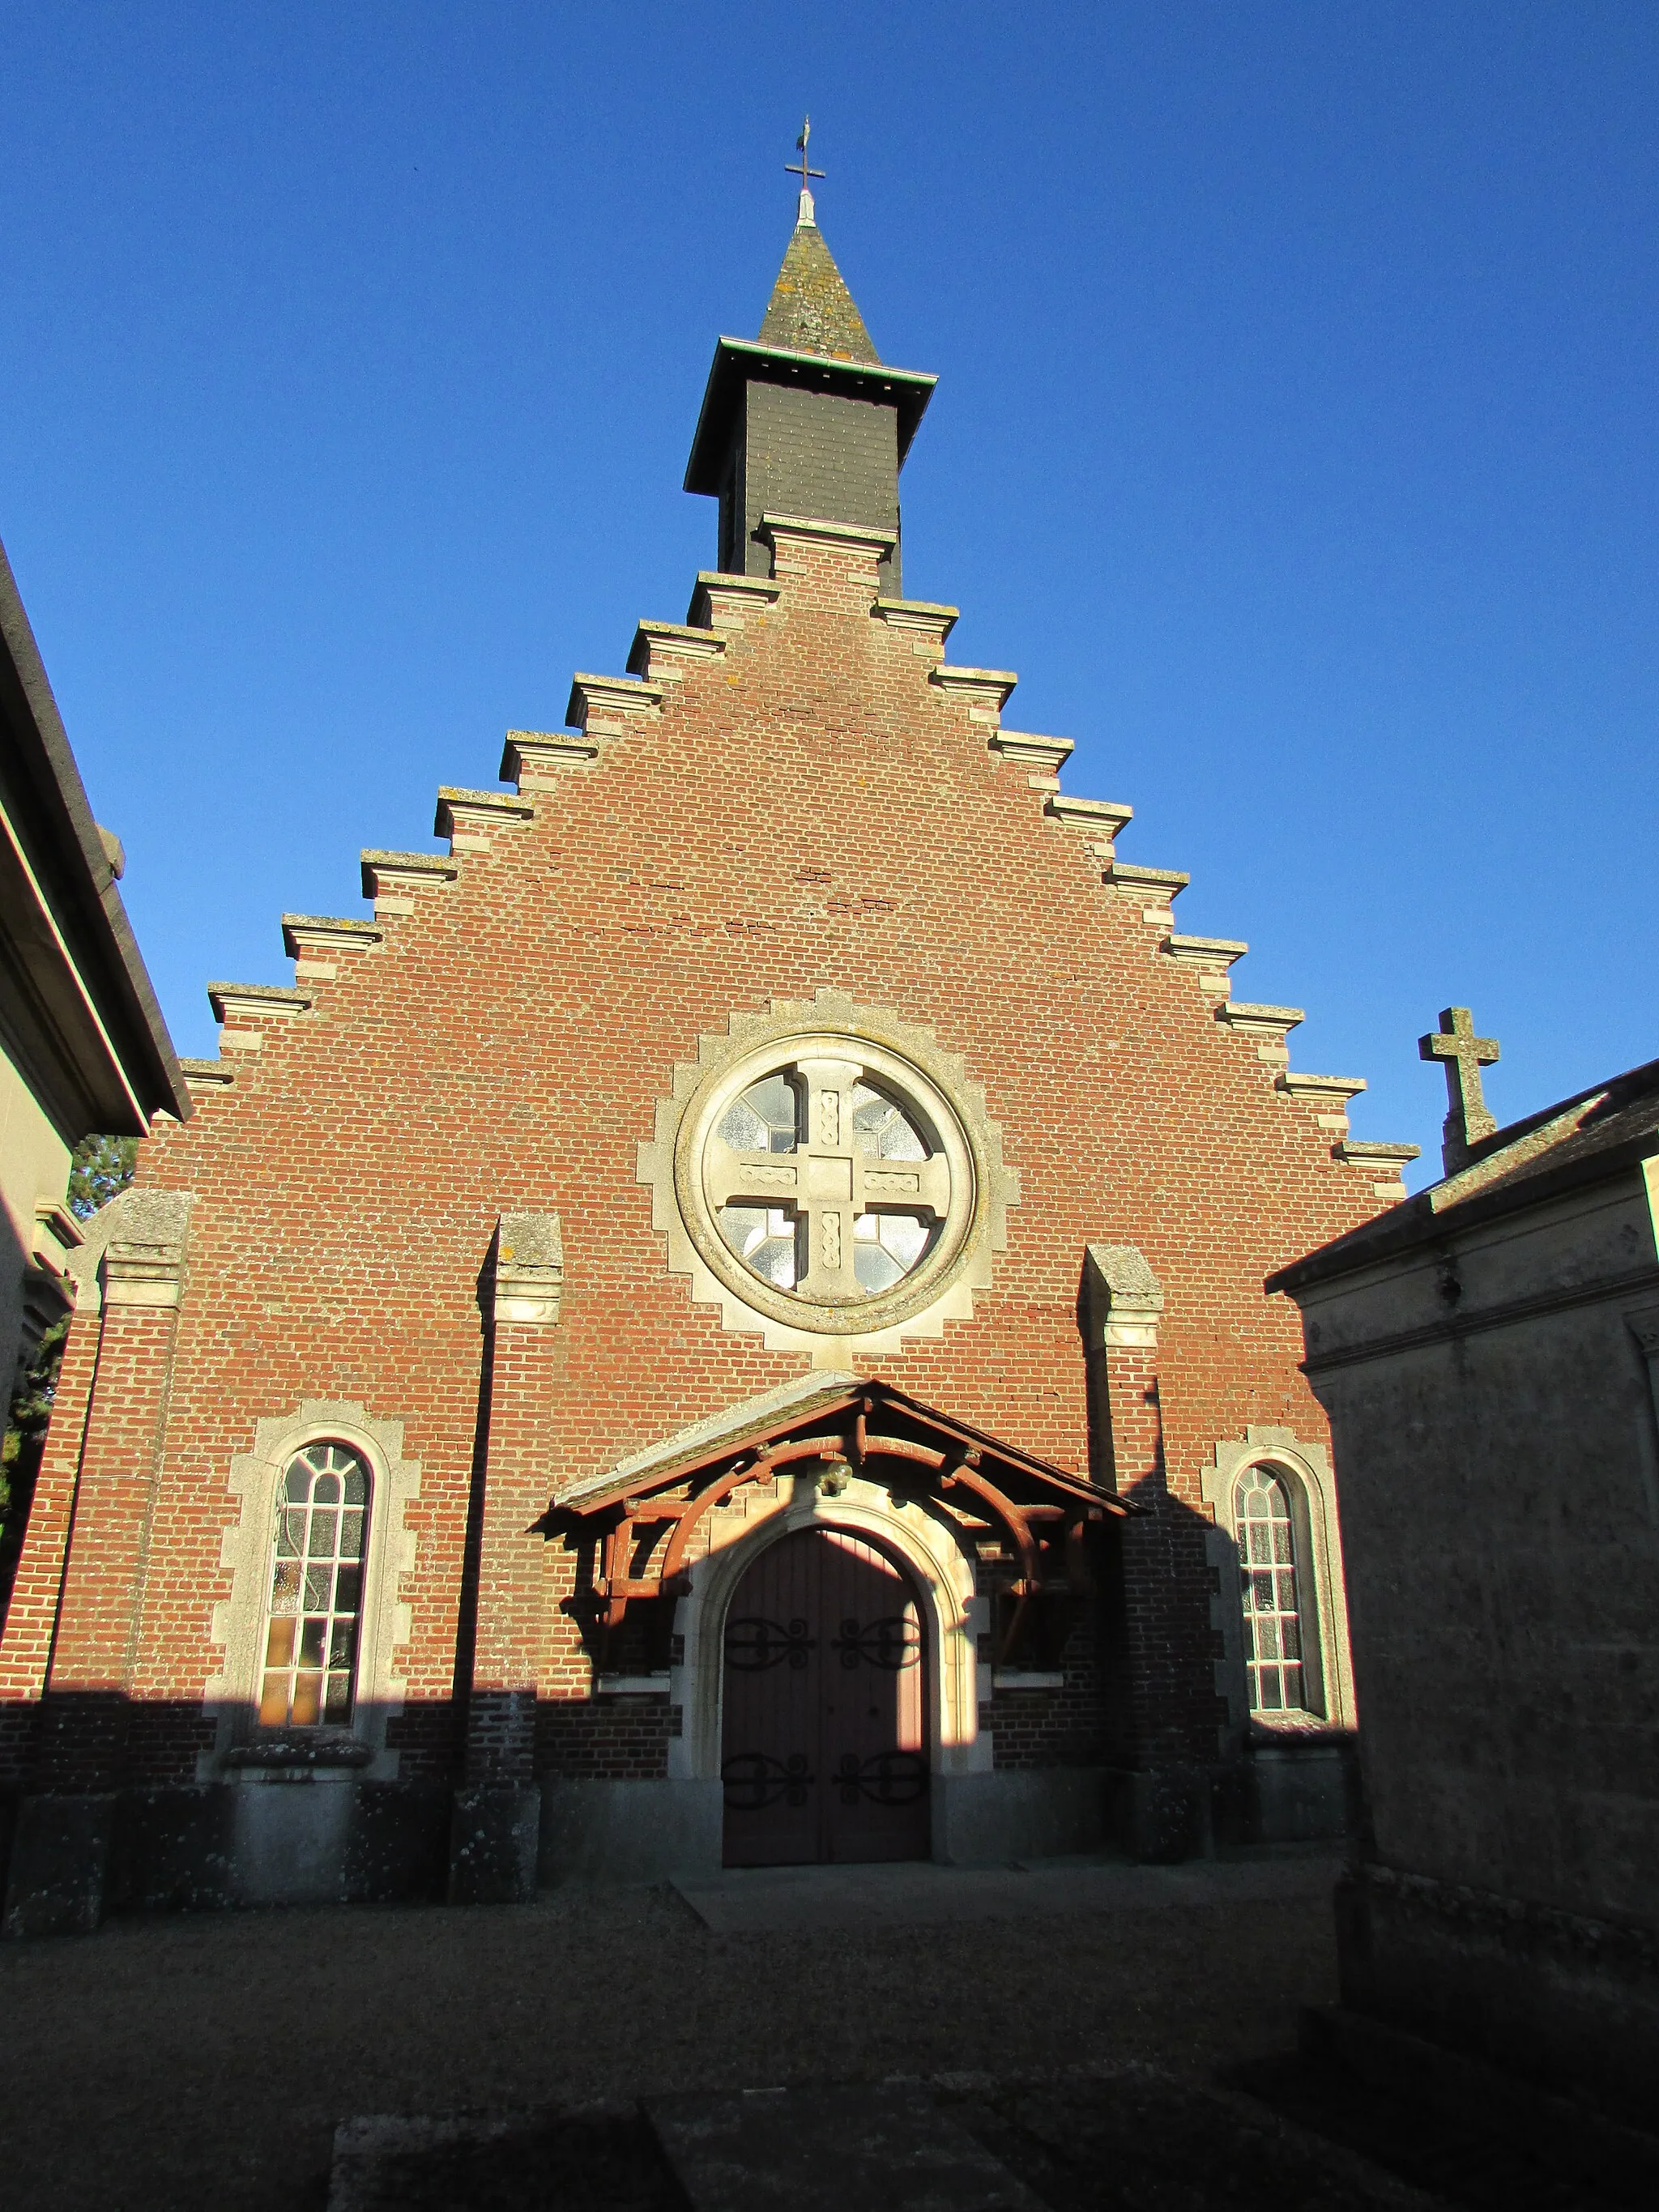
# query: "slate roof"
{"type": "Point", "coordinates": [792, 1406]}
{"type": "Point", "coordinates": [810, 310]}
{"type": "Point", "coordinates": [812, 335]}
{"type": "Point", "coordinates": [81, 1009]}
{"type": "Point", "coordinates": [1597, 1134]}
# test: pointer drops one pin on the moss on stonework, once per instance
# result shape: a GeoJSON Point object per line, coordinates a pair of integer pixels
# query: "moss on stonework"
{"type": "Point", "coordinates": [810, 310]}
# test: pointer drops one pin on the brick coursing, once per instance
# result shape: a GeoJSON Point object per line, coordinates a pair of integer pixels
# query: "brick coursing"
{"type": "Point", "coordinates": [808, 810]}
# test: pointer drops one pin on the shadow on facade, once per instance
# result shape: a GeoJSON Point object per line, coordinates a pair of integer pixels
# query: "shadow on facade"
{"type": "Point", "coordinates": [95, 1819]}
{"type": "Point", "coordinates": [283, 1823]}
{"type": "Point", "coordinates": [1190, 1770]}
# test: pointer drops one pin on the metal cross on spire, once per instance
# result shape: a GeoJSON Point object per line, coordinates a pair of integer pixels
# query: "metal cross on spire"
{"type": "Point", "coordinates": [1467, 1118]}
{"type": "Point", "coordinates": [800, 169]}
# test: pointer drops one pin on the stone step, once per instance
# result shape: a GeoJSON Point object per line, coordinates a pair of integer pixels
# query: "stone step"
{"type": "Point", "coordinates": [884, 2148]}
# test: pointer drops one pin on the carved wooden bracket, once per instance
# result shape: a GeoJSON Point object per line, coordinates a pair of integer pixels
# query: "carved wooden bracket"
{"type": "Point", "coordinates": [1025, 1519]}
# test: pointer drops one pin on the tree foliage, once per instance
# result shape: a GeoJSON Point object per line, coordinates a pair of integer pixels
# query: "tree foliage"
{"type": "Point", "coordinates": [101, 1169]}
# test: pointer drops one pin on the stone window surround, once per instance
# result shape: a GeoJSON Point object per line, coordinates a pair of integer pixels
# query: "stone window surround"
{"type": "Point", "coordinates": [829, 1069]}
{"type": "Point", "coordinates": [1304, 1468]}
{"type": "Point", "coordinates": [231, 1696]}
{"type": "Point", "coordinates": [743, 1304]}
{"type": "Point", "coordinates": [953, 1616]}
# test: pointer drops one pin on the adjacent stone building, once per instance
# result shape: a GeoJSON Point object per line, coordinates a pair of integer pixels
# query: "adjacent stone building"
{"type": "Point", "coordinates": [83, 1049]}
{"type": "Point", "coordinates": [1487, 1356]}
{"type": "Point", "coordinates": [723, 1318]}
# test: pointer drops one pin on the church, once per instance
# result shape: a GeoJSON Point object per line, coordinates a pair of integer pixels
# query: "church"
{"type": "Point", "coordinates": [721, 1321]}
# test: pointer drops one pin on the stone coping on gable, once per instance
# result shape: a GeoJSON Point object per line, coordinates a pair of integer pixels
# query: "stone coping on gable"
{"type": "Point", "coordinates": [279, 998]}
{"type": "Point", "coordinates": [1049, 755]}
{"type": "Point", "coordinates": [927, 611]}
{"type": "Point", "coordinates": [467, 818]}
{"type": "Point", "coordinates": [600, 700]}
{"type": "Point", "coordinates": [1220, 950]}
{"type": "Point", "coordinates": [526, 753]}
{"type": "Point", "coordinates": [1127, 876]}
{"type": "Point", "coordinates": [1243, 1015]}
{"type": "Point", "coordinates": [335, 931]}
{"type": "Point", "coordinates": [485, 802]}
{"type": "Point", "coordinates": [690, 643]}
{"type": "Point", "coordinates": [408, 864]}
{"type": "Point", "coordinates": [986, 690]}
{"type": "Point", "coordinates": [1297, 1086]}
{"type": "Point", "coordinates": [332, 925]}
{"type": "Point", "coordinates": [1109, 815]}
{"type": "Point", "coordinates": [394, 880]}
{"type": "Point", "coordinates": [927, 625]}
{"type": "Point", "coordinates": [950, 673]}
{"type": "Point", "coordinates": [724, 600]}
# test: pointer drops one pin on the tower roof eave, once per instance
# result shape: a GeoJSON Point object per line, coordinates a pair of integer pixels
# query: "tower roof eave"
{"type": "Point", "coordinates": [738, 362]}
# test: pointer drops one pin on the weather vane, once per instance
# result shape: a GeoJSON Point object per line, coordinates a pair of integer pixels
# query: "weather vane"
{"type": "Point", "coordinates": [800, 169]}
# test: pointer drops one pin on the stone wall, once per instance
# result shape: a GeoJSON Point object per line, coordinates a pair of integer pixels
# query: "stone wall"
{"type": "Point", "coordinates": [1494, 1423]}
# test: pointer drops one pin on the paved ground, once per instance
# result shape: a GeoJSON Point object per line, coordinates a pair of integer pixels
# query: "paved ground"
{"type": "Point", "coordinates": [196, 2063]}
{"type": "Point", "coordinates": [797, 1900]}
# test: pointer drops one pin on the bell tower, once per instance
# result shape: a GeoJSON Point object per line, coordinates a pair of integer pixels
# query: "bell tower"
{"type": "Point", "coordinates": [805, 420]}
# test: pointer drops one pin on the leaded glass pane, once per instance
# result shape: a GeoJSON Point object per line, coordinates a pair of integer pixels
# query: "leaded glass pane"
{"type": "Point", "coordinates": [311, 1638]}
{"type": "Point", "coordinates": [764, 1118]}
{"type": "Point", "coordinates": [1272, 1620]}
{"type": "Point", "coordinates": [883, 1130]}
{"type": "Point", "coordinates": [885, 1247]}
{"type": "Point", "coordinates": [765, 1238]}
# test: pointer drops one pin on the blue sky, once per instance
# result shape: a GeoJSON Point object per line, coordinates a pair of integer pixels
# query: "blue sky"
{"type": "Point", "coordinates": [1295, 441]}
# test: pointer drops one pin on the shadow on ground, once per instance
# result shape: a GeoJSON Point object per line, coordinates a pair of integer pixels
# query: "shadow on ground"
{"type": "Point", "coordinates": [189, 2062]}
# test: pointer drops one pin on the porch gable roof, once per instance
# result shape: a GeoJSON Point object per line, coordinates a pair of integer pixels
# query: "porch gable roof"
{"type": "Point", "coordinates": [796, 1407]}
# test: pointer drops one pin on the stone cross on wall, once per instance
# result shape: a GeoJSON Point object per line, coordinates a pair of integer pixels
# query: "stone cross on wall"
{"type": "Point", "coordinates": [1467, 1119]}
{"type": "Point", "coordinates": [828, 1180]}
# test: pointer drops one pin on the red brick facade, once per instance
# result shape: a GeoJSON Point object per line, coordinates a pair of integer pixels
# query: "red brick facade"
{"type": "Point", "coordinates": [798, 800]}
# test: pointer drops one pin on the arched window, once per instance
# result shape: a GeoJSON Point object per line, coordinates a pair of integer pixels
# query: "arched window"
{"type": "Point", "coordinates": [1272, 1599]}
{"type": "Point", "coordinates": [316, 1590]}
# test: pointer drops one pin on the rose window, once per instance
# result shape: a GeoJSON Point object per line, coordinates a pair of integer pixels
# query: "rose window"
{"type": "Point", "coordinates": [855, 1241]}
{"type": "Point", "coordinates": [830, 1182]}
{"type": "Point", "coordinates": [827, 1172]}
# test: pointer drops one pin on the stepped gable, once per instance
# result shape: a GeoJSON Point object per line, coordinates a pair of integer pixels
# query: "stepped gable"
{"type": "Point", "coordinates": [468, 1202]}
{"type": "Point", "coordinates": [629, 766]}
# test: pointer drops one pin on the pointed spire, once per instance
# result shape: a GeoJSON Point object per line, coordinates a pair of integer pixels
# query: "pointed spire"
{"type": "Point", "coordinates": [810, 310]}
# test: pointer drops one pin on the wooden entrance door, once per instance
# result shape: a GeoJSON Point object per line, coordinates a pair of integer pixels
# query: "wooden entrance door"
{"type": "Point", "coordinates": [823, 1741]}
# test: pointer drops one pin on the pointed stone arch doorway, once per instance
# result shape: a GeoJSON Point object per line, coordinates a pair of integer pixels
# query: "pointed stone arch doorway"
{"type": "Point", "coordinates": [826, 1705]}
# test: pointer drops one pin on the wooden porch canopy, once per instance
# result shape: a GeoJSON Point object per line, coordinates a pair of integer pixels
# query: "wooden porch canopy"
{"type": "Point", "coordinates": [1025, 1518]}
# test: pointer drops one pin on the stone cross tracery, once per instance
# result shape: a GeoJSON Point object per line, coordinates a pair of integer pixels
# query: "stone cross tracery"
{"type": "Point", "coordinates": [828, 1180]}
{"type": "Point", "coordinates": [1468, 1117]}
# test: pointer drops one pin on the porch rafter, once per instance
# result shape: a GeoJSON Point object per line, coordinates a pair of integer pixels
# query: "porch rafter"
{"type": "Point", "coordinates": [1035, 1514]}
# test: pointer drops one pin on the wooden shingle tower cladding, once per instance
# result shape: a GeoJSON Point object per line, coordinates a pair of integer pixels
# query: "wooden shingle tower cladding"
{"type": "Point", "coordinates": [488, 1200]}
